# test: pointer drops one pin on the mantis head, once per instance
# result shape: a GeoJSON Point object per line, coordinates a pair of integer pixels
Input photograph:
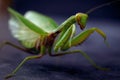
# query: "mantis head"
{"type": "Point", "coordinates": [81, 19]}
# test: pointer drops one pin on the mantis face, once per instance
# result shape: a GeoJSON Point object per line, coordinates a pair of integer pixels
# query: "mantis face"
{"type": "Point", "coordinates": [81, 19]}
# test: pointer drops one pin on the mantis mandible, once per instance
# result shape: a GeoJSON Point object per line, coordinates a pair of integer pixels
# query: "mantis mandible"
{"type": "Point", "coordinates": [37, 33]}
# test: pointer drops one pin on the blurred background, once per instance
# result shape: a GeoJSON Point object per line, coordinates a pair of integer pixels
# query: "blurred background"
{"type": "Point", "coordinates": [69, 67]}
{"type": "Point", "coordinates": [67, 8]}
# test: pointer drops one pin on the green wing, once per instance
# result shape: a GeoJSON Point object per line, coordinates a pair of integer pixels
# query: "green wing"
{"type": "Point", "coordinates": [26, 22]}
{"type": "Point", "coordinates": [26, 36]}
{"type": "Point", "coordinates": [28, 28]}
{"type": "Point", "coordinates": [44, 22]}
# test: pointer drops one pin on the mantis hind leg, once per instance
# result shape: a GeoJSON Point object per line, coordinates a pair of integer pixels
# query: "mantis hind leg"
{"type": "Point", "coordinates": [19, 66]}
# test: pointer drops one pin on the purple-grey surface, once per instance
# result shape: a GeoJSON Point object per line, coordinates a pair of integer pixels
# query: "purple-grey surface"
{"type": "Point", "coordinates": [68, 67]}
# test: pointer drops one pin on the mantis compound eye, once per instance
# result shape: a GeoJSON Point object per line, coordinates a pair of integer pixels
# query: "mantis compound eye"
{"type": "Point", "coordinates": [81, 19]}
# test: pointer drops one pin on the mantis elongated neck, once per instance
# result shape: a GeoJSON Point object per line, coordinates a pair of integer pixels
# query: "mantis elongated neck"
{"type": "Point", "coordinates": [67, 23]}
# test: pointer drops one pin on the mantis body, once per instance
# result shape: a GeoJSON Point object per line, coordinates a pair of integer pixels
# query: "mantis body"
{"type": "Point", "coordinates": [40, 35]}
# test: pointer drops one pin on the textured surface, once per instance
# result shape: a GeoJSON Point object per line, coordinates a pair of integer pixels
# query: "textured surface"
{"type": "Point", "coordinates": [69, 67]}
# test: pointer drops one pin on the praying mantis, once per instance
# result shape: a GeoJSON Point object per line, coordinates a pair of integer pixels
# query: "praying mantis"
{"type": "Point", "coordinates": [41, 35]}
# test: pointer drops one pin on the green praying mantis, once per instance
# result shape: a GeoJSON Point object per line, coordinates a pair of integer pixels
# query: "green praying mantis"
{"type": "Point", "coordinates": [40, 35]}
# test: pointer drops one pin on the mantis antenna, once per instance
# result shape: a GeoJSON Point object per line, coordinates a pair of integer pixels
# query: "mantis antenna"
{"type": "Point", "coordinates": [100, 6]}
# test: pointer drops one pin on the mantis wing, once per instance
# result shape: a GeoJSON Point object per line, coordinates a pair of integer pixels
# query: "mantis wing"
{"type": "Point", "coordinates": [29, 27]}
{"type": "Point", "coordinates": [42, 21]}
{"type": "Point", "coordinates": [23, 33]}
{"type": "Point", "coordinates": [24, 30]}
{"type": "Point", "coordinates": [26, 22]}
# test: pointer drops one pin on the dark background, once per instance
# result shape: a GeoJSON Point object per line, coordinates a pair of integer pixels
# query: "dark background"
{"type": "Point", "coordinates": [69, 67]}
{"type": "Point", "coordinates": [68, 7]}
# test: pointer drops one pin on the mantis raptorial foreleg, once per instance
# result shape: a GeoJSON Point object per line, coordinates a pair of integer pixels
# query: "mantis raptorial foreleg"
{"type": "Point", "coordinates": [19, 66]}
{"type": "Point", "coordinates": [62, 39]}
{"type": "Point", "coordinates": [80, 38]}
